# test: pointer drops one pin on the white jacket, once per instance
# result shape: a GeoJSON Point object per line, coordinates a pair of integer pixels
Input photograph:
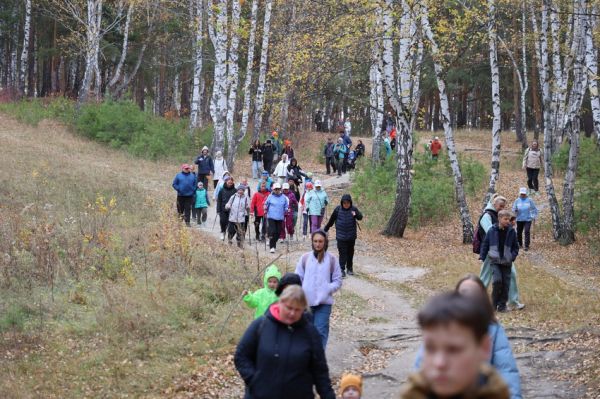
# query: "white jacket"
{"type": "Point", "coordinates": [220, 168]}
{"type": "Point", "coordinates": [281, 169]}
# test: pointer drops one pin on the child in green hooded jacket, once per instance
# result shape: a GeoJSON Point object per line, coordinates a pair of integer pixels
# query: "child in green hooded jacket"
{"type": "Point", "coordinates": [262, 298]}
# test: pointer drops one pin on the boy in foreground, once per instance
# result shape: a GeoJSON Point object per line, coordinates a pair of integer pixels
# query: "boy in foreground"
{"type": "Point", "coordinates": [457, 347]}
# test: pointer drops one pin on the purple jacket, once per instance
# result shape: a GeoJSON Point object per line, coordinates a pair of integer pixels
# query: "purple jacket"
{"type": "Point", "coordinates": [319, 280]}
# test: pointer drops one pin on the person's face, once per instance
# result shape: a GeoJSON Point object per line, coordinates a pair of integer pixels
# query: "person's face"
{"type": "Point", "coordinates": [286, 190]}
{"type": "Point", "coordinates": [240, 191]}
{"type": "Point", "coordinates": [499, 205]}
{"type": "Point", "coordinates": [351, 393]}
{"type": "Point", "coordinates": [200, 186]}
{"type": "Point", "coordinates": [204, 152]}
{"type": "Point", "coordinates": [263, 186]}
{"type": "Point", "coordinates": [318, 242]}
{"type": "Point", "coordinates": [346, 204]}
{"type": "Point", "coordinates": [186, 170]}
{"type": "Point", "coordinates": [452, 358]}
{"type": "Point", "coordinates": [277, 190]}
{"type": "Point", "coordinates": [534, 145]}
{"type": "Point", "coordinates": [504, 221]}
{"type": "Point", "coordinates": [290, 312]}
{"type": "Point", "coordinates": [229, 183]}
{"type": "Point", "coordinates": [272, 283]}
{"type": "Point", "coordinates": [318, 188]}
{"type": "Point", "coordinates": [523, 196]}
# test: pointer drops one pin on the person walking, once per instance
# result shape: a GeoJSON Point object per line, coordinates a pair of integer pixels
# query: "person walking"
{"type": "Point", "coordinates": [532, 163]}
{"type": "Point", "coordinates": [238, 207]}
{"type": "Point", "coordinates": [201, 203]}
{"type": "Point", "coordinates": [227, 191]}
{"type": "Point", "coordinates": [295, 172]}
{"type": "Point", "coordinates": [348, 127]}
{"type": "Point", "coordinates": [257, 157]}
{"type": "Point", "coordinates": [316, 200]}
{"type": "Point", "coordinates": [220, 184]}
{"type": "Point", "coordinates": [280, 355]}
{"type": "Point", "coordinates": [345, 217]}
{"type": "Point", "coordinates": [257, 211]}
{"type": "Point", "coordinates": [526, 213]}
{"type": "Point", "coordinates": [321, 276]}
{"type": "Point", "coordinates": [339, 152]}
{"type": "Point", "coordinates": [288, 222]}
{"type": "Point", "coordinates": [206, 166]}
{"type": "Point", "coordinates": [308, 187]}
{"type": "Point", "coordinates": [265, 178]}
{"type": "Point", "coordinates": [276, 206]}
{"type": "Point", "coordinates": [436, 147]}
{"type": "Point", "coordinates": [268, 152]}
{"type": "Point", "coordinates": [220, 167]}
{"type": "Point", "coordinates": [330, 162]}
{"type": "Point", "coordinates": [185, 185]}
{"type": "Point", "coordinates": [281, 169]}
{"type": "Point", "coordinates": [360, 149]}
{"type": "Point", "coordinates": [287, 149]}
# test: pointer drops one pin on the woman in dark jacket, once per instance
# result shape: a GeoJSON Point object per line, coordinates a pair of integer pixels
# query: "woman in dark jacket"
{"type": "Point", "coordinates": [225, 194]}
{"type": "Point", "coordinates": [267, 156]}
{"type": "Point", "coordinates": [257, 158]}
{"type": "Point", "coordinates": [281, 356]}
{"type": "Point", "coordinates": [294, 171]}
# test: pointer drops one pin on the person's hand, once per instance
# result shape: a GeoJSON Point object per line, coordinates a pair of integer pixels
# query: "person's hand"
{"type": "Point", "coordinates": [245, 292]}
{"type": "Point", "coordinates": [353, 213]}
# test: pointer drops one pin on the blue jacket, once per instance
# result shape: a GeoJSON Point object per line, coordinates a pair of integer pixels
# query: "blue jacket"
{"type": "Point", "coordinates": [276, 205]}
{"type": "Point", "coordinates": [501, 358]}
{"type": "Point", "coordinates": [185, 184]}
{"type": "Point", "coordinates": [347, 140]}
{"type": "Point", "coordinates": [525, 209]}
{"type": "Point", "coordinates": [345, 222]}
{"type": "Point", "coordinates": [205, 165]}
{"type": "Point", "coordinates": [490, 246]}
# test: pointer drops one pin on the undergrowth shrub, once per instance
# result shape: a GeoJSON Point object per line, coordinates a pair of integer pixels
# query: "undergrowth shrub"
{"type": "Point", "coordinates": [432, 192]}
{"type": "Point", "coordinates": [587, 188]}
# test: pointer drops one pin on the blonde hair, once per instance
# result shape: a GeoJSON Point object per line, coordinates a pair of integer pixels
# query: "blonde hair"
{"type": "Point", "coordinates": [294, 293]}
{"type": "Point", "coordinates": [499, 198]}
{"type": "Point", "coordinates": [505, 213]}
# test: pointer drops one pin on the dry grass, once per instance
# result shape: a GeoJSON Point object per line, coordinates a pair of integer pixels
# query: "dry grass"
{"type": "Point", "coordinates": [101, 300]}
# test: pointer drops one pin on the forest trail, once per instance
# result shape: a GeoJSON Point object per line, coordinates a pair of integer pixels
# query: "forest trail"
{"type": "Point", "coordinates": [373, 325]}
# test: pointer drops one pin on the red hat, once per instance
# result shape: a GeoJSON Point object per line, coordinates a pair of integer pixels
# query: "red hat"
{"type": "Point", "coordinates": [309, 185]}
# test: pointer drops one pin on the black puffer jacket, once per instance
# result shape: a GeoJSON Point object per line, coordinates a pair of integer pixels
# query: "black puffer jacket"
{"type": "Point", "coordinates": [277, 361]}
{"type": "Point", "coordinates": [224, 194]}
{"type": "Point", "coordinates": [345, 222]}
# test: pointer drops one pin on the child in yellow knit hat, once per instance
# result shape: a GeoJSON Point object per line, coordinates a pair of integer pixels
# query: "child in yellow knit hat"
{"type": "Point", "coordinates": [351, 386]}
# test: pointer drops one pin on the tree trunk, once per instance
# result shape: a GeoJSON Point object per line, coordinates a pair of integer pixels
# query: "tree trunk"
{"type": "Point", "coordinates": [219, 96]}
{"type": "Point", "coordinates": [233, 80]}
{"type": "Point", "coordinates": [92, 49]}
{"type": "Point", "coordinates": [262, 72]}
{"type": "Point", "coordinates": [287, 84]}
{"type": "Point", "coordinates": [467, 224]}
{"type": "Point", "coordinates": [496, 127]}
{"type": "Point", "coordinates": [117, 73]}
{"type": "Point", "coordinates": [24, 51]}
{"type": "Point", "coordinates": [249, 72]}
{"type": "Point", "coordinates": [591, 62]}
{"type": "Point", "coordinates": [196, 103]}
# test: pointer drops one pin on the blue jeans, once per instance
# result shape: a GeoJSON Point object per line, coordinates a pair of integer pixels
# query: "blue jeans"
{"type": "Point", "coordinates": [321, 315]}
{"type": "Point", "coordinates": [256, 169]}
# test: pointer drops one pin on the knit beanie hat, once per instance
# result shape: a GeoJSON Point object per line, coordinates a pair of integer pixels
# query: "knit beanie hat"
{"type": "Point", "coordinates": [287, 279]}
{"type": "Point", "coordinates": [351, 380]}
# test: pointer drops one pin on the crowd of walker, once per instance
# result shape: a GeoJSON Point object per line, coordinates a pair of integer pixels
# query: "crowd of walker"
{"type": "Point", "coordinates": [465, 351]}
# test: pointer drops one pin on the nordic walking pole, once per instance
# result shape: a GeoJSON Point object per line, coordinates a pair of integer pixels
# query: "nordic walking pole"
{"type": "Point", "coordinates": [215, 222]}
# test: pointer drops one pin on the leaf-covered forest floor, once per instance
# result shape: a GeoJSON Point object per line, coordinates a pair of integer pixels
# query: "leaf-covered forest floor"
{"type": "Point", "coordinates": [555, 338]}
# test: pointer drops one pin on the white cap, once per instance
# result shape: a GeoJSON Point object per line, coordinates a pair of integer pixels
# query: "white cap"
{"type": "Point", "coordinates": [286, 186]}
{"type": "Point", "coordinates": [318, 183]}
{"type": "Point", "coordinates": [276, 185]}
{"type": "Point", "coordinates": [523, 190]}
{"type": "Point", "coordinates": [437, 138]}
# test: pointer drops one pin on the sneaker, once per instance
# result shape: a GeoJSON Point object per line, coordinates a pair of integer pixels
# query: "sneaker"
{"type": "Point", "coordinates": [526, 248]}
{"type": "Point", "coordinates": [222, 236]}
{"type": "Point", "coordinates": [343, 274]}
{"type": "Point", "coordinates": [272, 250]}
{"type": "Point", "coordinates": [304, 237]}
{"type": "Point", "coordinates": [519, 306]}
{"type": "Point", "coordinates": [350, 273]}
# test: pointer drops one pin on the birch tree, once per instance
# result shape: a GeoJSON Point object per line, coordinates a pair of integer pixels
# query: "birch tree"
{"type": "Point", "coordinates": [119, 68]}
{"type": "Point", "coordinates": [262, 72]}
{"type": "Point", "coordinates": [467, 224]}
{"type": "Point", "coordinates": [249, 72]}
{"type": "Point", "coordinates": [93, 25]}
{"type": "Point", "coordinates": [496, 121]}
{"type": "Point", "coordinates": [376, 102]}
{"type": "Point", "coordinates": [196, 103]}
{"type": "Point", "coordinates": [591, 64]}
{"type": "Point", "coordinates": [25, 50]}
{"type": "Point", "coordinates": [232, 80]}
{"type": "Point", "coordinates": [217, 27]}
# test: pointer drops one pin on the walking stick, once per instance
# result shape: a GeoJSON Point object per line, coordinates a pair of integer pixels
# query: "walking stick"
{"type": "Point", "coordinates": [215, 222]}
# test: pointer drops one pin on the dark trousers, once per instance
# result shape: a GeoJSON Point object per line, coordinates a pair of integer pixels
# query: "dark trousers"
{"type": "Point", "coordinates": [184, 207]}
{"type": "Point", "coordinates": [527, 227]}
{"type": "Point", "coordinates": [275, 227]}
{"type": "Point", "coordinates": [341, 166]}
{"type": "Point", "coordinates": [201, 214]}
{"type": "Point", "coordinates": [500, 285]}
{"type": "Point", "coordinates": [330, 164]}
{"type": "Point", "coordinates": [236, 229]}
{"type": "Point", "coordinates": [215, 184]}
{"type": "Point", "coordinates": [223, 220]}
{"type": "Point", "coordinates": [532, 179]}
{"type": "Point", "coordinates": [204, 180]}
{"type": "Point", "coordinates": [346, 251]}
{"type": "Point", "coordinates": [260, 231]}
{"type": "Point", "coordinates": [267, 164]}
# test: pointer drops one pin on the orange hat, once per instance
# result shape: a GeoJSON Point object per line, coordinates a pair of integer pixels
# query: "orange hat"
{"type": "Point", "coordinates": [351, 380]}
{"type": "Point", "coordinates": [287, 142]}
{"type": "Point", "coordinates": [275, 134]}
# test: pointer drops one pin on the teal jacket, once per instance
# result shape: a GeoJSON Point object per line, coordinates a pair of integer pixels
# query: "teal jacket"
{"type": "Point", "coordinates": [315, 201]}
{"type": "Point", "coordinates": [202, 199]}
{"type": "Point", "coordinates": [262, 298]}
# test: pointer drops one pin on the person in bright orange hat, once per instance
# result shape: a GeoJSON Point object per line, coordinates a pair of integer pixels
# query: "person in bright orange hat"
{"type": "Point", "coordinates": [351, 386]}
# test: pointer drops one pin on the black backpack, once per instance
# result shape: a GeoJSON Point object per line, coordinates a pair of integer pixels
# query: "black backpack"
{"type": "Point", "coordinates": [479, 233]}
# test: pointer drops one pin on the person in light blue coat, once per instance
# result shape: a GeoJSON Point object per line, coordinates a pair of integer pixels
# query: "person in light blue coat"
{"type": "Point", "coordinates": [276, 205]}
{"type": "Point", "coordinates": [526, 212]}
{"type": "Point", "coordinates": [501, 356]}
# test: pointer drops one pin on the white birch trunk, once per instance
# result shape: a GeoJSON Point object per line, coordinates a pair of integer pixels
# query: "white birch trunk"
{"type": "Point", "coordinates": [118, 70]}
{"type": "Point", "coordinates": [591, 63]}
{"type": "Point", "coordinates": [287, 84]}
{"type": "Point", "coordinates": [376, 100]}
{"type": "Point", "coordinates": [176, 94]}
{"type": "Point", "coordinates": [249, 72]}
{"type": "Point", "coordinates": [262, 72]}
{"type": "Point", "coordinates": [233, 80]}
{"type": "Point", "coordinates": [559, 82]}
{"type": "Point", "coordinates": [496, 126]}
{"type": "Point", "coordinates": [25, 50]}
{"type": "Point", "coordinates": [524, 81]}
{"type": "Point", "coordinates": [405, 59]}
{"type": "Point", "coordinates": [219, 97]}
{"type": "Point", "coordinates": [92, 49]}
{"type": "Point", "coordinates": [463, 207]}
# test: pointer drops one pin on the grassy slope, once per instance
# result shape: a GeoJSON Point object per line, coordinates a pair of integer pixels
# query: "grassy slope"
{"type": "Point", "coordinates": [110, 326]}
